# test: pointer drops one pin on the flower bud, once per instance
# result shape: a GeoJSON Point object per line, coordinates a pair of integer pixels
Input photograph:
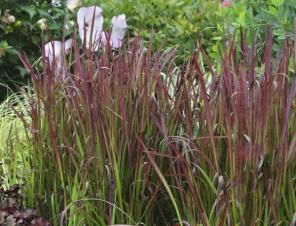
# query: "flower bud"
{"type": "Point", "coordinates": [72, 4]}
{"type": "Point", "coordinates": [42, 24]}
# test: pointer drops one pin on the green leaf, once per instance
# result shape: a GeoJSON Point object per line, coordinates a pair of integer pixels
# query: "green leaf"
{"type": "Point", "coordinates": [31, 11]}
{"type": "Point", "coordinates": [272, 10]}
{"type": "Point", "coordinates": [277, 3]}
{"type": "Point", "coordinates": [54, 26]}
{"type": "Point", "coordinates": [43, 13]}
{"type": "Point", "coordinates": [242, 19]}
{"type": "Point", "coordinates": [23, 71]}
{"type": "Point", "coordinates": [3, 44]}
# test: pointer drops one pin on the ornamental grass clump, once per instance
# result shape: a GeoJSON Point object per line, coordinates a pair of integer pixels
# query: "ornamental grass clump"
{"type": "Point", "coordinates": [129, 138]}
{"type": "Point", "coordinates": [14, 145]}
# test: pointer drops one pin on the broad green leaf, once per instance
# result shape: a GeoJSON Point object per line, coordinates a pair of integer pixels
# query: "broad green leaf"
{"type": "Point", "coordinates": [43, 13]}
{"type": "Point", "coordinates": [31, 11]}
{"type": "Point", "coordinates": [54, 26]}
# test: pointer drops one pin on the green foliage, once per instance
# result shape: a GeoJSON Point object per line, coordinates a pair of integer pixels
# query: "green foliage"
{"type": "Point", "coordinates": [14, 168]}
{"type": "Point", "coordinates": [168, 23]}
{"type": "Point", "coordinates": [24, 35]}
{"type": "Point", "coordinates": [254, 16]}
{"type": "Point", "coordinates": [184, 23]}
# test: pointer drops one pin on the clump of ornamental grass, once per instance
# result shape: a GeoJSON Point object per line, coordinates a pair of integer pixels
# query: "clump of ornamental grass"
{"type": "Point", "coordinates": [125, 136]}
{"type": "Point", "coordinates": [13, 140]}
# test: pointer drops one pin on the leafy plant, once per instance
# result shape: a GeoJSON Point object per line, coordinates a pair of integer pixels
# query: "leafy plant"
{"type": "Point", "coordinates": [23, 34]}
{"type": "Point", "coordinates": [255, 16]}
{"type": "Point", "coordinates": [11, 212]}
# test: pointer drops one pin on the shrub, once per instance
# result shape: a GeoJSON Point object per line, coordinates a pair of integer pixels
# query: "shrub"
{"type": "Point", "coordinates": [24, 35]}
{"type": "Point", "coordinates": [254, 16]}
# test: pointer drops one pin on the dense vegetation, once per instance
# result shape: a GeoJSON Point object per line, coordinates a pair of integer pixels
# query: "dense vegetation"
{"type": "Point", "coordinates": [149, 134]}
{"type": "Point", "coordinates": [166, 22]}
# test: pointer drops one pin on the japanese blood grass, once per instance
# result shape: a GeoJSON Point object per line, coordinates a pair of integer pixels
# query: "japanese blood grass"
{"type": "Point", "coordinates": [87, 132]}
{"type": "Point", "coordinates": [127, 138]}
{"type": "Point", "coordinates": [236, 164]}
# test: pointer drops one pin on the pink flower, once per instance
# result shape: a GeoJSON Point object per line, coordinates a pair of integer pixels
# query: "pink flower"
{"type": "Point", "coordinates": [53, 50]}
{"type": "Point", "coordinates": [90, 26]}
{"type": "Point", "coordinates": [119, 27]}
{"type": "Point", "coordinates": [226, 3]}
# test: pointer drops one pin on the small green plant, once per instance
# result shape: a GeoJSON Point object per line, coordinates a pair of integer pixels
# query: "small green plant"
{"type": "Point", "coordinates": [11, 211]}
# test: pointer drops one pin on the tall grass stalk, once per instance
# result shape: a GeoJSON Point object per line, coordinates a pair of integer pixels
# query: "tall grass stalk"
{"type": "Point", "coordinates": [127, 133]}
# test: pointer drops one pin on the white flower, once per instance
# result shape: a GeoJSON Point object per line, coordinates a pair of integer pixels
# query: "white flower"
{"type": "Point", "coordinates": [56, 3]}
{"type": "Point", "coordinates": [68, 45]}
{"type": "Point", "coordinates": [7, 18]}
{"type": "Point", "coordinates": [11, 19]}
{"type": "Point", "coordinates": [119, 27]}
{"type": "Point", "coordinates": [42, 23]}
{"type": "Point", "coordinates": [85, 18]}
{"type": "Point", "coordinates": [53, 50]}
{"type": "Point", "coordinates": [72, 4]}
